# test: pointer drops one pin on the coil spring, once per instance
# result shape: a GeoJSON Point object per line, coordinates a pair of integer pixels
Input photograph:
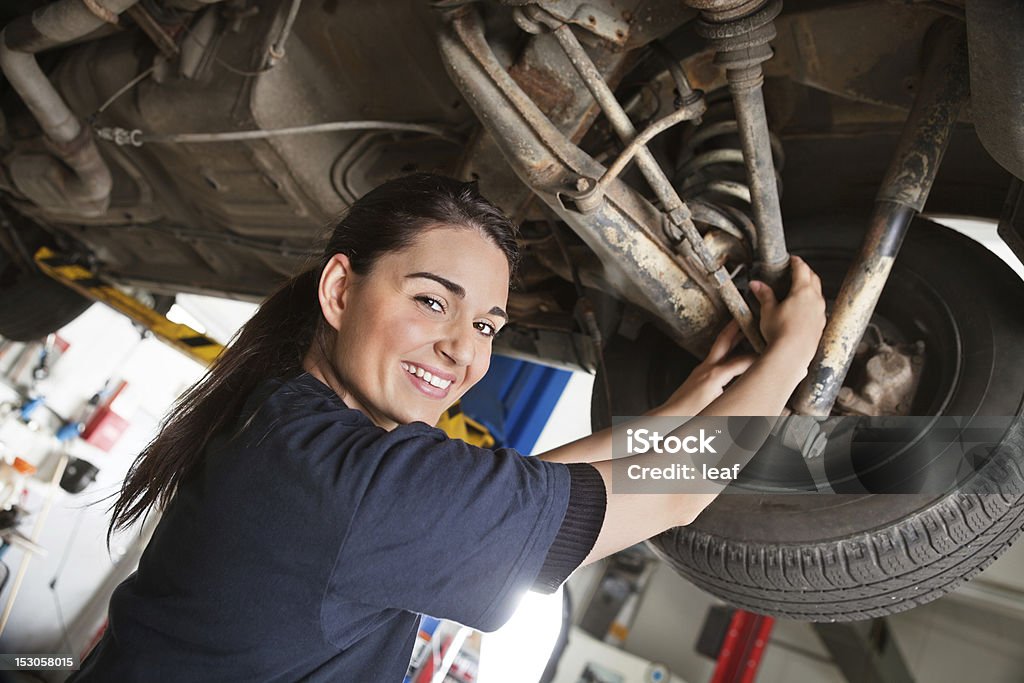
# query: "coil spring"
{"type": "Point", "coordinates": [710, 174]}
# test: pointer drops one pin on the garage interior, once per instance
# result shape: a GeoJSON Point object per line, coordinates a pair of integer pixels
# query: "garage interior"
{"type": "Point", "coordinates": [630, 618]}
{"type": "Point", "coordinates": [163, 163]}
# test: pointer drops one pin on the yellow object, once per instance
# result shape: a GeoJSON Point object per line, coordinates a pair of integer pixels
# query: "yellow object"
{"type": "Point", "coordinates": [182, 337]}
{"type": "Point", "coordinates": [195, 344]}
{"type": "Point", "coordinates": [456, 425]}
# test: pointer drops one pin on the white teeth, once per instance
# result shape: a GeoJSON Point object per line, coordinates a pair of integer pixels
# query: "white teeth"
{"type": "Point", "coordinates": [426, 376]}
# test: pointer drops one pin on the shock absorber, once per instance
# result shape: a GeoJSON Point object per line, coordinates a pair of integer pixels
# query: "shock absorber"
{"type": "Point", "coordinates": [740, 32]}
{"type": "Point", "coordinates": [711, 173]}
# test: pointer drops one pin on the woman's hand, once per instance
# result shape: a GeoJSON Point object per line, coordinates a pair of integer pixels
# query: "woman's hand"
{"type": "Point", "coordinates": [708, 380]}
{"type": "Point", "coordinates": [792, 329]}
{"type": "Point", "coordinates": [794, 325]}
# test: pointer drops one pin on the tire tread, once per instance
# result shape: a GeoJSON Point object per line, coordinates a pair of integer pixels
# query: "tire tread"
{"type": "Point", "coordinates": [917, 559]}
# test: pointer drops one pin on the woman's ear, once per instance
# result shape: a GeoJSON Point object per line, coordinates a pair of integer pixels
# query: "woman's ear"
{"type": "Point", "coordinates": [335, 282]}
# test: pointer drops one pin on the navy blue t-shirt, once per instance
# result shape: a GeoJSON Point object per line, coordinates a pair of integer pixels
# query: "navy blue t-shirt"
{"type": "Point", "coordinates": [309, 540]}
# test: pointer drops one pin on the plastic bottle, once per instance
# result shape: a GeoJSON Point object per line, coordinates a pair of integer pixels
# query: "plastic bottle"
{"type": "Point", "coordinates": [12, 481]}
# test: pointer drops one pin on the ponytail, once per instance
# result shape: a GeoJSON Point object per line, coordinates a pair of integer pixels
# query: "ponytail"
{"type": "Point", "coordinates": [272, 343]}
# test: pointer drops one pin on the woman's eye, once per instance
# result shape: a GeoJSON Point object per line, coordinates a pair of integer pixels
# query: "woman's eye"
{"type": "Point", "coordinates": [431, 303]}
{"type": "Point", "coordinates": [487, 328]}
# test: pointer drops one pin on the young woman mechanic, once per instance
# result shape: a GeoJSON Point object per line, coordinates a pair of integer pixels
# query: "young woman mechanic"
{"type": "Point", "coordinates": [311, 511]}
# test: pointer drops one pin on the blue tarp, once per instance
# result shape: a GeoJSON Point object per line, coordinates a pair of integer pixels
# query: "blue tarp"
{"type": "Point", "coordinates": [514, 400]}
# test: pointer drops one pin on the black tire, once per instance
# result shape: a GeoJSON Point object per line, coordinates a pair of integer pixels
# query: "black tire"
{"type": "Point", "coordinates": [848, 557]}
{"type": "Point", "coordinates": [35, 305]}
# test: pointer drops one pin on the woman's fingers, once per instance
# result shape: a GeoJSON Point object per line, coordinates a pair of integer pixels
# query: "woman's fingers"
{"type": "Point", "coordinates": [765, 296]}
{"type": "Point", "coordinates": [804, 274]}
{"type": "Point", "coordinates": [804, 280]}
{"type": "Point", "coordinates": [800, 272]}
{"type": "Point", "coordinates": [734, 367]}
{"type": "Point", "coordinates": [725, 342]}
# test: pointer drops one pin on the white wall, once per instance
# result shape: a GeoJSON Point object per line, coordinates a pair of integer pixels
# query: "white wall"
{"type": "Point", "coordinates": [103, 345]}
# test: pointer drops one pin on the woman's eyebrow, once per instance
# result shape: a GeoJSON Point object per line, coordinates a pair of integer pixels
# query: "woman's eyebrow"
{"type": "Point", "coordinates": [456, 289]}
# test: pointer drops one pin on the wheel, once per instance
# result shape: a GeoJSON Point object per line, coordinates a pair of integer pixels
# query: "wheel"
{"type": "Point", "coordinates": [34, 304]}
{"type": "Point", "coordinates": [848, 557]}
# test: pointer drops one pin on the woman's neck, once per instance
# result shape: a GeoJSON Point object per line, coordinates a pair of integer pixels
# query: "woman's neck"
{"type": "Point", "coordinates": [330, 378]}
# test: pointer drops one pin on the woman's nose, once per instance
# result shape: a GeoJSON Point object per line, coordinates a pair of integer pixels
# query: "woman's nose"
{"type": "Point", "coordinates": [457, 346]}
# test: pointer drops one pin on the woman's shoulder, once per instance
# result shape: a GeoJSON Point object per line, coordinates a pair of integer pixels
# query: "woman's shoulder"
{"type": "Point", "coordinates": [300, 395]}
{"type": "Point", "coordinates": [301, 383]}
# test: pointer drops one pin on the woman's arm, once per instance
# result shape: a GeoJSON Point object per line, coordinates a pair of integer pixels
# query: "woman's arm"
{"type": "Point", "coordinates": [792, 329]}
{"type": "Point", "coordinates": [705, 383]}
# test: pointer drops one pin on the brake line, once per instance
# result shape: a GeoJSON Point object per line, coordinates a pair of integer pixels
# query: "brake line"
{"type": "Point", "coordinates": [136, 137]}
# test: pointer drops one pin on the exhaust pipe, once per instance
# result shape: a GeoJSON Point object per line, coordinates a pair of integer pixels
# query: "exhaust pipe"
{"type": "Point", "coordinates": [83, 185]}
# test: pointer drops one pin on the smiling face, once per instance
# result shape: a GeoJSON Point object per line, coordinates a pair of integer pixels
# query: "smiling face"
{"type": "Point", "coordinates": [415, 333]}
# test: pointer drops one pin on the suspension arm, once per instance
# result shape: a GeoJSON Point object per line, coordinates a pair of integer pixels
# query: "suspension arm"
{"type": "Point", "coordinates": [621, 227]}
{"type": "Point", "coordinates": [676, 210]}
{"type": "Point", "coordinates": [903, 193]}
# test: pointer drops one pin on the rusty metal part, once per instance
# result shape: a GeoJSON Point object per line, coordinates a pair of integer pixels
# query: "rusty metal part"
{"type": "Point", "coordinates": [803, 434]}
{"type": "Point", "coordinates": [540, 70]}
{"type": "Point", "coordinates": [711, 173]}
{"type": "Point", "coordinates": [725, 247]}
{"type": "Point", "coordinates": [944, 90]}
{"type": "Point", "coordinates": [740, 33]}
{"type": "Point", "coordinates": [854, 307]}
{"type": "Point", "coordinates": [684, 89]}
{"type": "Point", "coordinates": [610, 26]}
{"type": "Point", "coordinates": [727, 10]}
{"type": "Point", "coordinates": [275, 52]}
{"type": "Point", "coordinates": [86, 188]}
{"type": "Point", "coordinates": [168, 48]}
{"type": "Point", "coordinates": [902, 194]}
{"type": "Point", "coordinates": [100, 11]}
{"type": "Point", "coordinates": [638, 260]}
{"type": "Point", "coordinates": [875, 63]}
{"type": "Point", "coordinates": [687, 112]}
{"type": "Point", "coordinates": [994, 30]}
{"type": "Point", "coordinates": [889, 376]}
{"type": "Point", "coordinates": [679, 222]}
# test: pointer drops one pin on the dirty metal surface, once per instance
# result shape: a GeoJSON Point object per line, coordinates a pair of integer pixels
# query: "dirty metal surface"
{"type": "Point", "coordinates": [903, 193]}
{"type": "Point", "coordinates": [636, 258]}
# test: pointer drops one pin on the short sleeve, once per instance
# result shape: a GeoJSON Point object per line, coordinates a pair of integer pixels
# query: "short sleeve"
{"type": "Point", "coordinates": [441, 527]}
{"type": "Point", "coordinates": [581, 524]}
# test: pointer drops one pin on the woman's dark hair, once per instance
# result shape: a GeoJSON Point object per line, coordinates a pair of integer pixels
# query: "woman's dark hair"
{"type": "Point", "coordinates": [274, 342]}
